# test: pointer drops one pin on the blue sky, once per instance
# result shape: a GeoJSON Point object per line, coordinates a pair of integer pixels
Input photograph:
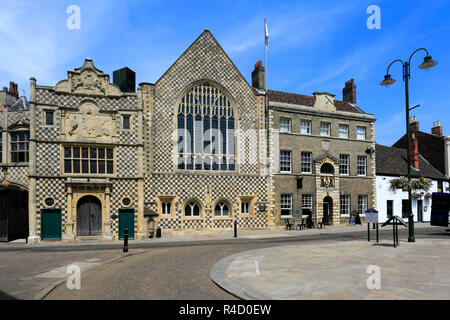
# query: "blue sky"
{"type": "Point", "coordinates": [314, 46]}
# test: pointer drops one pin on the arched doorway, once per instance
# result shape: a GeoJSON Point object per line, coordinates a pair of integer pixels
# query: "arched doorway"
{"type": "Point", "coordinates": [89, 216]}
{"type": "Point", "coordinates": [13, 214]}
{"type": "Point", "coordinates": [327, 210]}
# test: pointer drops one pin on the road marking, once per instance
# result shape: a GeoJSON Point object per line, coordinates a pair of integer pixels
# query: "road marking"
{"type": "Point", "coordinates": [61, 272]}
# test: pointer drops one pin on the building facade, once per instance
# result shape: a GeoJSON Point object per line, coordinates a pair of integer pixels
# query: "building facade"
{"type": "Point", "coordinates": [323, 155]}
{"type": "Point", "coordinates": [391, 164]}
{"type": "Point", "coordinates": [14, 145]}
{"type": "Point", "coordinates": [192, 151]}
{"type": "Point", "coordinates": [205, 144]}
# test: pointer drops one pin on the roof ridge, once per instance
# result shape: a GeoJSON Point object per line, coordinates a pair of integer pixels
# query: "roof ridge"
{"type": "Point", "coordinates": [440, 173]}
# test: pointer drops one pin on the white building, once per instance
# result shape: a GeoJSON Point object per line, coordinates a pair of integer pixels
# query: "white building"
{"type": "Point", "coordinates": [391, 163]}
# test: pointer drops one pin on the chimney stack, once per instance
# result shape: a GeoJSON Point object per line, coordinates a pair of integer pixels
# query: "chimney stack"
{"type": "Point", "coordinates": [13, 89]}
{"type": "Point", "coordinates": [414, 145]}
{"type": "Point", "coordinates": [258, 76]}
{"type": "Point", "coordinates": [437, 129]}
{"type": "Point", "coordinates": [349, 92]}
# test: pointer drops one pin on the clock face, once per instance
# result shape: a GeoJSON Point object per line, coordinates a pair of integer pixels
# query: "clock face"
{"type": "Point", "coordinates": [49, 201]}
{"type": "Point", "coordinates": [126, 202]}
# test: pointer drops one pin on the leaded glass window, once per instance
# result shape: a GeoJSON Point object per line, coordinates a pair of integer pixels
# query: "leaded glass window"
{"type": "Point", "coordinates": [205, 124]}
{"type": "Point", "coordinates": [192, 209]}
{"type": "Point", "coordinates": [88, 160]}
{"type": "Point", "coordinates": [222, 210]}
{"type": "Point", "coordinates": [19, 146]}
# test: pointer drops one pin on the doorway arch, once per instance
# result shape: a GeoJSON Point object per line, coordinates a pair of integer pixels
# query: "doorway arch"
{"type": "Point", "coordinates": [327, 210]}
{"type": "Point", "coordinates": [13, 214]}
{"type": "Point", "coordinates": [89, 216]}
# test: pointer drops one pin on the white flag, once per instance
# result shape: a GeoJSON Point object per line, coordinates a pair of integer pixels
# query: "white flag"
{"type": "Point", "coordinates": [266, 34]}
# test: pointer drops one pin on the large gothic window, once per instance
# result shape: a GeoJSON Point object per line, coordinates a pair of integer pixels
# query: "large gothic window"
{"type": "Point", "coordinates": [205, 124]}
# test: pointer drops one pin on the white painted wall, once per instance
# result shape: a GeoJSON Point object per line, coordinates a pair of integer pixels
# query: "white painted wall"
{"type": "Point", "coordinates": [384, 194]}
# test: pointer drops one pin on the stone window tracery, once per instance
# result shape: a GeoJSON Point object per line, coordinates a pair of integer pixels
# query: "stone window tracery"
{"type": "Point", "coordinates": [206, 126]}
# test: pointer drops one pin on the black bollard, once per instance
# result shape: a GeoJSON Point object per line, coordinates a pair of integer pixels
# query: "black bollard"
{"type": "Point", "coordinates": [125, 240]}
{"type": "Point", "coordinates": [235, 228]}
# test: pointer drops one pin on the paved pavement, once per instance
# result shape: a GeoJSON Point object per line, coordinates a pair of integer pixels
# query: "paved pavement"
{"type": "Point", "coordinates": [339, 271]}
{"type": "Point", "coordinates": [167, 268]}
{"type": "Point", "coordinates": [182, 270]}
{"type": "Point", "coordinates": [194, 237]}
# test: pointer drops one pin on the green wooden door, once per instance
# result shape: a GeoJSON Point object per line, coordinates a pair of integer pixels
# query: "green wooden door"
{"type": "Point", "coordinates": [51, 224]}
{"type": "Point", "coordinates": [126, 220]}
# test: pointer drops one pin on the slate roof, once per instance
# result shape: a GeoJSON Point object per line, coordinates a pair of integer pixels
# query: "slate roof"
{"type": "Point", "coordinates": [431, 146]}
{"type": "Point", "coordinates": [304, 100]}
{"type": "Point", "coordinates": [392, 162]}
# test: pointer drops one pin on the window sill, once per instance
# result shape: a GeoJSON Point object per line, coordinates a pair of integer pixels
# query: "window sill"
{"type": "Point", "coordinates": [286, 217]}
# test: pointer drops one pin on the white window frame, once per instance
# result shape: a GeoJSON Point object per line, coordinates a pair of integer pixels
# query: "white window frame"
{"type": "Point", "coordinates": [343, 134]}
{"type": "Point", "coordinates": [305, 163]}
{"type": "Point", "coordinates": [284, 160]}
{"type": "Point", "coordinates": [286, 204]}
{"type": "Point", "coordinates": [245, 206]}
{"type": "Point", "coordinates": [344, 203]}
{"type": "Point", "coordinates": [327, 126]}
{"type": "Point", "coordinates": [360, 165]}
{"type": "Point", "coordinates": [283, 128]}
{"type": "Point", "coordinates": [362, 204]}
{"type": "Point", "coordinates": [166, 208]}
{"type": "Point", "coordinates": [358, 134]}
{"type": "Point", "coordinates": [191, 205]}
{"type": "Point", "coordinates": [307, 201]}
{"type": "Point", "coordinates": [307, 127]}
{"type": "Point", "coordinates": [344, 165]}
{"type": "Point", "coordinates": [222, 205]}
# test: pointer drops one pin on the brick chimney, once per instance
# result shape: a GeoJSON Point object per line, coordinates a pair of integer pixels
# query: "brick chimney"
{"type": "Point", "coordinates": [414, 145]}
{"type": "Point", "coordinates": [437, 129]}
{"type": "Point", "coordinates": [349, 91]}
{"type": "Point", "coordinates": [13, 89]}
{"type": "Point", "coordinates": [258, 76]}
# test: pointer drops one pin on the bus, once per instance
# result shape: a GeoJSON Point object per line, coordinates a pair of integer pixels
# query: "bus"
{"type": "Point", "coordinates": [440, 209]}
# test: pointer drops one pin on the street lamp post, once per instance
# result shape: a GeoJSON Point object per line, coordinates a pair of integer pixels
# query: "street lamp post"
{"type": "Point", "coordinates": [426, 64]}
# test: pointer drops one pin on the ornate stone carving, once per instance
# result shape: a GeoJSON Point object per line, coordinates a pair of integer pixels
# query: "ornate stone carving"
{"type": "Point", "coordinates": [89, 123]}
{"type": "Point", "coordinates": [326, 182]}
{"type": "Point", "coordinates": [88, 80]}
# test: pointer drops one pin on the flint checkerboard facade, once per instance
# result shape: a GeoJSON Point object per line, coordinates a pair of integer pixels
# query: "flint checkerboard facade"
{"type": "Point", "coordinates": [88, 112]}
{"type": "Point", "coordinates": [80, 147]}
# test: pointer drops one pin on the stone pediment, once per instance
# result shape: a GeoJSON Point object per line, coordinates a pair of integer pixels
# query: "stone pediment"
{"type": "Point", "coordinates": [88, 124]}
{"type": "Point", "coordinates": [326, 158]}
{"type": "Point", "coordinates": [88, 80]}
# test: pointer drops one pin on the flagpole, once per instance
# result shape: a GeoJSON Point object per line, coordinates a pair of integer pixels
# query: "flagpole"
{"type": "Point", "coordinates": [265, 54]}
{"type": "Point", "coordinates": [265, 87]}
